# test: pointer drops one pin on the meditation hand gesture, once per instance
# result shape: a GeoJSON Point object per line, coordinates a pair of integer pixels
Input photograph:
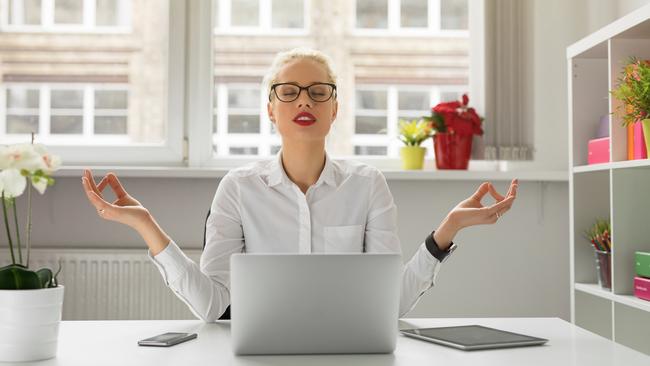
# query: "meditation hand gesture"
{"type": "Point", "coordinates": [125, 209]}
{"type": "Point", "coordinates": [472, 212]}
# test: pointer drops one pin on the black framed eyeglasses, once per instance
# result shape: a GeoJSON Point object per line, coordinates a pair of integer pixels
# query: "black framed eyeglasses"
{"type": "Point", "coordinates": [288, 92]}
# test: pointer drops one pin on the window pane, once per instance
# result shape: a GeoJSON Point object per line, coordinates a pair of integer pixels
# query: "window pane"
{"type": "Point", "coordinates": [243, 98]}
{"type": "Point", "coordinates": [245, 13]}
{"type": "Point", "coordinates": [28, 14]}
{"type": "Point", "coordinates": [370, 125]}
{"type": "Point", "coordinates": [115, 125]}
{"type": "Point", "coordinates": [66, 124]}
{"type": "Point", "coordinates": [243, 123]}
{"type": "Point", "coordinates": [243, 151]}
{"type": "Point", "coordinates": [111, 99]}
{"type": "Point", "coordinates": [372, 13]}
{"type": "Point", "coordinates": [67, 99]}
{"type": "Point", "coordinates": [22, 124]}
{"type": "Point", "coordinates": [106, 12]}
{"type": "Point", "coordinates": [287, 14]}
{"type": "Point", "coordinates": [370, 150]}
{"type": "Point", "coordinates": [449, 96]}
{"type": "Point", "coordinates": [414, 13]}
{"type": "Point", "coordinates": [68, 11]}
{"type": "Point", "coordinates": [453, 14]}
{"type": "Point", "coordinates": [275, 149]}
{"type": "Point", "coordinates": [371, 99]}
{"type": "Point", "coordinates": [22, 98]}
{"type": "Point", "coordinates": [413, 100]}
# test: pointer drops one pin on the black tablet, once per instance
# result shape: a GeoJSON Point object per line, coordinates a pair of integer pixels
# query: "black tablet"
{"type": "Point", "coordinates": [473, 337]}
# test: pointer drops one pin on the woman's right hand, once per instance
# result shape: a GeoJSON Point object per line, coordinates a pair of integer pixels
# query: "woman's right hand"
{"type": "Point", "coordinates": [125, 209]}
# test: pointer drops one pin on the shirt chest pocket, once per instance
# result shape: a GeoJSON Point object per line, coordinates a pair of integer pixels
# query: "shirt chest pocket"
{"type": "Point", "coordinates": [343, 239]}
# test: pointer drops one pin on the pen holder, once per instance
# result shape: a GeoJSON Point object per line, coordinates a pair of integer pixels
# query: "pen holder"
{"type": "Point", "coordinates": [604, 269]}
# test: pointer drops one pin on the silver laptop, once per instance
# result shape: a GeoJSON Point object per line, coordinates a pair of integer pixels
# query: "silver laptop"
{"type": "Point", "coordinates": [314, 304]}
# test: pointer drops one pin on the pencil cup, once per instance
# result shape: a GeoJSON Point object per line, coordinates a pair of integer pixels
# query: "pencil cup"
{"type": "Point", "coordinates": [604, 269]}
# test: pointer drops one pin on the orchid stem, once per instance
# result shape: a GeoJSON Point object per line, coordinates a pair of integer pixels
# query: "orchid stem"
{"type": "Point", "coordinates": [29, 220]}
{"type": "Point", "coordinates": [20, 251]}
{"type": "Point", "coordinates": [11, 246]}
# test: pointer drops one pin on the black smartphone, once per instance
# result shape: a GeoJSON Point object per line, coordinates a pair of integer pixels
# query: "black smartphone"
{"type": "Point", "coordinates": [167, 339]}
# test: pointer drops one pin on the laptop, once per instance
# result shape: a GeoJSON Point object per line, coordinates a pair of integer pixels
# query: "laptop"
{"type": "Point", "coordinates": [315, 303]}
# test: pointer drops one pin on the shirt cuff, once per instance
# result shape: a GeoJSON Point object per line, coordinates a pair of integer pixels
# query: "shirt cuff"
{"type": "Point", "coordinates": [171, 262]}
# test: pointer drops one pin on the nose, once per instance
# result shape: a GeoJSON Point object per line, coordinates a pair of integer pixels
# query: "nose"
{"type": "Point", "coordinates": [304, 100]}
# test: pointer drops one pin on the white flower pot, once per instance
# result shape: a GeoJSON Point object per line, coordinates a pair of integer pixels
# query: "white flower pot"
{"type": "Point", "coordinates": [29, 323]}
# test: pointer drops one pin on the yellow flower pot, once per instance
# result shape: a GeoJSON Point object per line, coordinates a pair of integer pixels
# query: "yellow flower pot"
{"type": "Point", "coordinates": [412, 157]}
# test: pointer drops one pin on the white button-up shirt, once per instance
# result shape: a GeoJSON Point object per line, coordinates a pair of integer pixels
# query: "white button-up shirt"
{"type": "Point", "coordinates": [258, 209]}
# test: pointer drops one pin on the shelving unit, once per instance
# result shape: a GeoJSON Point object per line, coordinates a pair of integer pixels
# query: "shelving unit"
{"type": "Point", "coordinates": [618, 190]}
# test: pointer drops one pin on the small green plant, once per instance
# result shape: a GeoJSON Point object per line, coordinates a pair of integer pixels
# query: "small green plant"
{"type": "Point", "coordinates": [633, 91]}
{"type": "Point", "coordinates": [23, 166]}
{"type": "Point", "coordinates": [600, 235]}
{"type": "Point", "coordinates": [414, 132]}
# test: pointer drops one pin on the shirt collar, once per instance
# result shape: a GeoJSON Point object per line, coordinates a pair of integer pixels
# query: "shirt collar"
{"type": "Point", "coordinates": [278, 175]}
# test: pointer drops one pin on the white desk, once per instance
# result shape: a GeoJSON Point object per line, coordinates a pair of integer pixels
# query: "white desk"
{"type": "Point", "coordinates": [115, 343]}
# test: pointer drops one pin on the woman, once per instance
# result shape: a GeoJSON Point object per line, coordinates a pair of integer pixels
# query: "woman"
{"type": "Point", "coordinates": [301, 201]}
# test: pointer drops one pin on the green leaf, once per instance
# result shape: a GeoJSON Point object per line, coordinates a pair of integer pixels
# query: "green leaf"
{"type": "Point", "coordinates": [17, 277]}
{"type": "Point", "coordinates": [45, 276]}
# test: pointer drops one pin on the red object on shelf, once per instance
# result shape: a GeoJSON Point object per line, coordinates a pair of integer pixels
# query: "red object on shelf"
{"type": "Point", "coordinates": [640, 151]}
{"type": "Point", "coordinates": [642, 288]}
{"type": "Point", "coordinates": [452, 150]}
{"type": "Point", "coordinates": [598, 151]}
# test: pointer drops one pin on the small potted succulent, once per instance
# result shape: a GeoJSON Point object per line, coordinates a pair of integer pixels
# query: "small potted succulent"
{"type": "Point", "coordinates": [30, 300]}
{"type": "Point", "coordinates": [412, 134]}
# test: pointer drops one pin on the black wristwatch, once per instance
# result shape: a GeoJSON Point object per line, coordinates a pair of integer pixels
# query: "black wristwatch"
{"type": "Point", "coordinates": [434, 249]}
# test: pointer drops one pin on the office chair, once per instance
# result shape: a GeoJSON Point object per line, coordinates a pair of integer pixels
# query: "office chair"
{"type": "Point", "coordinates": [226, 314]}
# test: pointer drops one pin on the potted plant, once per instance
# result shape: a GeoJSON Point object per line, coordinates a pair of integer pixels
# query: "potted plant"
{"type": "Point", "coordinates": [599, 235]}
{"type": "Point", "coordinates": [30, 300]}
{"type": "Point", "coordinates": [412, 133]}
{"type": "Point", "coordinates": [454, 124]}
{"type": "Point", "coordinates": [633, 91]}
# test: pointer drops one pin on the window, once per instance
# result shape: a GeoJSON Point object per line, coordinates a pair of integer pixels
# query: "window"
{"type": "Point", "coordinates": [67, 113]}
{"type": "Point", "coordinates": [108, 94]}
{"type": "Point", "coordinates": [65, 15]}
{"type": "Point", "coordinates": [412, 16]}
{"type": "Point", "coordinates": [260, 16]}
{"type": "Point", "coordinates": [379, 80]}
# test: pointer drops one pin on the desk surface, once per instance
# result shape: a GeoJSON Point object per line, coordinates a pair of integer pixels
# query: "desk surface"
{"type": "Point", "coordinates": [115, 343]}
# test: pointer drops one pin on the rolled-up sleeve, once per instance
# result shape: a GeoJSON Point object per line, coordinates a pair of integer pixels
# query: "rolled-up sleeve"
{"type": "Point", "coordinates": [205, 287]}
{"type": "Point", "coordinates": [419, 273]}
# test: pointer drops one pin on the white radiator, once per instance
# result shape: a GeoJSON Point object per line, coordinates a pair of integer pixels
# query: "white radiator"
{"type": "Point", "coordinates": [106, 284]}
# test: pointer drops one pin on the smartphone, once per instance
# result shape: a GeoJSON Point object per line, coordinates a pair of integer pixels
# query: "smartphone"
{"type": "Point", "coordinates": [167, 339]}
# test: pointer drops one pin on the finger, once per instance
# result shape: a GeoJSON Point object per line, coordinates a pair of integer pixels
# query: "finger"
{"type": "Point", "coordinates": [512, 191]}
{"type": "Point", "coordinates": [495, 194]}
{"type": "Point", "coordinates": [481, 191]}
{"type": "Point", "coordinates": [91, 182]}
{"type": "Point", "coordinates": [93, 197]}
{"type": "Point", "coordinates": [116, 185]}
{"type": "Point", "coordinates": [501, 207]}
{"type": "Point", "coordinates": [102, 184]}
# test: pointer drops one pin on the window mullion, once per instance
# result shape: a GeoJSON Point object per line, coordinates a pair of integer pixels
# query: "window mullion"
{"type": "Point", "coordinates": [435, 11]}
{"type": "Point", "coordinates": [47, 14]}
{"type": "Point", "coordinates": [391, 120]}
{"type": "Point", "coordinates": [394, 14]}
{"type": "Point", "coordinates": [265, 7]}
{"type": "Point", "coordinates": [89, 12]}
{"type": "Point", "coordinates": [44, 111]}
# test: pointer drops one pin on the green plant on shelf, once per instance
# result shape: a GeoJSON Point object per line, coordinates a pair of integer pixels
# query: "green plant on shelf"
{"type": "Point", "coordinates": [633, 91]}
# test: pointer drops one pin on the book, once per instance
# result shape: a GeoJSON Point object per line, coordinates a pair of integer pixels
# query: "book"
{"type": "Point", "coordinates": [642, 288]}
{"type": "Point", "coordinates": [640, 151]}
{"type": "Point", "coordinates": [630, 142]}
{"type": "Point", "coordinates": [642, 264]}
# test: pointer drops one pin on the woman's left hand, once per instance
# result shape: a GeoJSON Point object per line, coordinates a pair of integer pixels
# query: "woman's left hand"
{"type": "Point", "coordinates": [471, 211]}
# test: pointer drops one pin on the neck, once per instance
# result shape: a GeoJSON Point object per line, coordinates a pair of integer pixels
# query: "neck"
{"type": "Point", "coordinates": [303, 163]}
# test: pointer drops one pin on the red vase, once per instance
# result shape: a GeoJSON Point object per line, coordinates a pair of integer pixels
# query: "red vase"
{"type": "Point", "coordinates": [452, 150]}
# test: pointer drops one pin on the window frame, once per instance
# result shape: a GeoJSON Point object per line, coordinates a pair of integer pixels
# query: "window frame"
{"type": "Point", "coordinates": [264, 28]}
{"type": "Point", "coordinates": [394, 27]}
{"type": "Point", "coordinates": [87, 25]}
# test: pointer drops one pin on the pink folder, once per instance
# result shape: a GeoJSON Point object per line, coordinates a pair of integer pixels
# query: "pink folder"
{"type": "Point", "coordinates": [640, 151]}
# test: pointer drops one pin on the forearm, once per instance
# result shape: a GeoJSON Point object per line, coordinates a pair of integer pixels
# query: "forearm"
{"type": "Point", "coordinates": [156, 239]}
{"type": "Point", "coordinates": [445, 233]}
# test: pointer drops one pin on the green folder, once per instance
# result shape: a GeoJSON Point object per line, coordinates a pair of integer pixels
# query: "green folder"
{"type": "Point", "coordinates": [642, 260]}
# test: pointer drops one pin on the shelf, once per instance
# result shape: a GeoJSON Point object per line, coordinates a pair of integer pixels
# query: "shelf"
{"type": "Point", "coordinates": [640, 163]}
{"type": "Point", "coordinates": [629, 300]}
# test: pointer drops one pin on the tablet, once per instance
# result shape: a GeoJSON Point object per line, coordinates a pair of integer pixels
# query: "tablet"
{"type": "Point", "coordinates": [473, 337]}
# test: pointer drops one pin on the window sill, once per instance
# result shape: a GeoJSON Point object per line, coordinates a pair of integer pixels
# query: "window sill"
{"type": "Point", "coordinates": [523, 174]}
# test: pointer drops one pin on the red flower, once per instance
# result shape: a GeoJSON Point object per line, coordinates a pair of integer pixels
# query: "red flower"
{"type": "Point", "coordinates": [456, 117]}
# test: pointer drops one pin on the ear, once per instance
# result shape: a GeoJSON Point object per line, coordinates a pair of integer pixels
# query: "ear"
{"type": "Point", "coordinates": [269, 110]}
{"type": "Point", "coordinates": [335, 110]}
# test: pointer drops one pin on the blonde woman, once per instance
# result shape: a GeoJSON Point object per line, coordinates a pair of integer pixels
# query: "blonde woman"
{"type": "Point", "coordinates": [299, 202]}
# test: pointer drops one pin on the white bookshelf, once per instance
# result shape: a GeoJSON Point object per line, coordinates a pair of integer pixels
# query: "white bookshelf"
{"type": "Point", "coordinates": [618, 190]}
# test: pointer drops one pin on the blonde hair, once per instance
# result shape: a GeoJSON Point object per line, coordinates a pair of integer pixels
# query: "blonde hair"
{"type": "Point", "coordinates": [283, 58]}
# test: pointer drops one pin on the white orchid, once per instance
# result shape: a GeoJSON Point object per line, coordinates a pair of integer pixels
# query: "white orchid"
{"type": "Point", "coordinates": [25, 161]}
